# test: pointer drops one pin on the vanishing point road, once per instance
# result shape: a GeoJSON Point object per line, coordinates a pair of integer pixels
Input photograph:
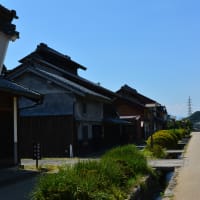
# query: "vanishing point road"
{"type": "Point", "coordinates": [188, 180]}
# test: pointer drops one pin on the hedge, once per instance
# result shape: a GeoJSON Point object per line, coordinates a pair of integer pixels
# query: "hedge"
{"type": "Point", "coordinates": [166, 138]}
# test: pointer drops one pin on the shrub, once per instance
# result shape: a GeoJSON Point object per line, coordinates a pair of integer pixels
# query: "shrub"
{"type": "Point", "coordinates": [128, 156]}
{"type": "Point", "coordinates": [166, 138]}
{"type": "Point", "coordinates": [85, 181]}
{"type": "Point", "coordinates": [94, 180]}
{"type": "Point", "coordinates": [163, 138]}
{"type": "Point", "coordinates": [154, 152]}
{"type": "Point", "coordinates": [181, 132]}
{"type": "Point", "coordinates": [55, 186]}
{"type": "Point", "coordinates": [180, 124]}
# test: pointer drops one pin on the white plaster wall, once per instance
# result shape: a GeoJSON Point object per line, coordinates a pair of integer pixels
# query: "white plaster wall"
{"type": "Point", "coordinates": [4, 40]}
{"type": "Point", "coordinates": [94, 110]}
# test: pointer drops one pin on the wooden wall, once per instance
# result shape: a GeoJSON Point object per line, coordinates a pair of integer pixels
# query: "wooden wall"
{"type": "Point", "coordinates": [54, 133]}
{"type": "Point", "coordinates": [126, 109]}
{"type": "Point", "coordinates": [6, 129]}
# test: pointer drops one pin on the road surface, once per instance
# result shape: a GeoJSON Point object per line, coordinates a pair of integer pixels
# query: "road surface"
{"type": "Point", "coordinates": [18, 191]}
{"type": "Point", "coordinates": [188, 180]}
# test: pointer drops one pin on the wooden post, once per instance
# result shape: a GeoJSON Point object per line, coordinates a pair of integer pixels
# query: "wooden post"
{"type": "Point", "coordinates": [36, 163]}
{"type": "Point", "coordinates": [36, 153]}
{"type": "Point", "coordinates": [15, 130]}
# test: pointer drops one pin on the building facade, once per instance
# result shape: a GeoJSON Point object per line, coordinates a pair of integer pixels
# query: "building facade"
{"type": "Point", "coordinates": [70, 121]}
{"type": "Point", "coordinates": [146, 115]}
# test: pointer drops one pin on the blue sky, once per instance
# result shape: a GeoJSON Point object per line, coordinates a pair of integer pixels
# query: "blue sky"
{"type": "Point", "coordinates": [153, 46]}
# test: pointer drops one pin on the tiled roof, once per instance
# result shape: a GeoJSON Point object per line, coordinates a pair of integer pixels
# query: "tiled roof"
{"type": "Point", "coordinates": [18, 90]}
{"type": "Point", "coordinates": [50, 55]}
{"type": "Point", "coordinates": [33, 60]}
{"type": "Point", "coordinates": [80, 80]}
{"type": "Point", "coordinates": [6, 17]}
{"type": "Point", "coordinates": [132, 94]}
{"type": "Point", "coordinates": [79, 88]}
{"type": "Point", "coordinates": [37, 63]}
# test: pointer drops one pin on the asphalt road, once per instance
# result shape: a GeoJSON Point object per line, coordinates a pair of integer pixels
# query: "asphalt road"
{"type": "Point", "coordinates": [18, 191]}
{"type": "Point", "coordinates": [188, 180]}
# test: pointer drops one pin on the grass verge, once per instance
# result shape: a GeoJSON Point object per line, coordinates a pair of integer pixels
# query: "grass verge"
{"type": "Point", "coordinates": [109, 178]}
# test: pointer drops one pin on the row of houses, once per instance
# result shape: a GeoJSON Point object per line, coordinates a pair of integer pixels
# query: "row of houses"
{"type": "Point", "coordinates": [77, 112]}
{"type": "Point", "coordinates": [68, 114]}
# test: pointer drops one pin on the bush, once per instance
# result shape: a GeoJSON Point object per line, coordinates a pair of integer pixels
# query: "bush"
{"type": "Point", "coordinates": [86, 181]}
{"type": "Point", "coordinates": [156, 151]}
{"type": "Point", "coordinates": [180, 124]}
{"type": "Point", "coordinates": [55, 186]}
{"type": "Point", "coordinates": [128, 156]}
{"type": "Point", "coordinates": [167, 138]}
{"type": "Point", "coordinates": [181, 133]}
{"type": "Point", "coordinates": [163, 138]}
{"type": "Point", "coordinates": [94, 180]}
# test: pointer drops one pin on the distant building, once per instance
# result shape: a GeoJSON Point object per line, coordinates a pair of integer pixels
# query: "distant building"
{"type": "Point", "coordinates": [146, 115]}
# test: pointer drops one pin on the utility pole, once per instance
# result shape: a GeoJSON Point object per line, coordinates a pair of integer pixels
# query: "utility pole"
{"type": "Point", "coordinates": [189, 106]}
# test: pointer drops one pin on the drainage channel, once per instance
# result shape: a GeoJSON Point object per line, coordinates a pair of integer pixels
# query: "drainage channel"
{"type": "Point", "coordinates": [164, 179]}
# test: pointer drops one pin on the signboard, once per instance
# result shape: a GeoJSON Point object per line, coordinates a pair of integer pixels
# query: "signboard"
{"type": "Point", "coordinates": [36, 151]}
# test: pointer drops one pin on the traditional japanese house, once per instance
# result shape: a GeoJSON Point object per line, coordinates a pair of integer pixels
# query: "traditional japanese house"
{"type": "Point", "coordinates": [146, 115]}
{"type": "Point", "coordinates": [74, 116]}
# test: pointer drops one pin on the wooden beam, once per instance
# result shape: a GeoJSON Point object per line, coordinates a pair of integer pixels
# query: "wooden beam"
{"type": "Point", "coordinates": [15, 130]}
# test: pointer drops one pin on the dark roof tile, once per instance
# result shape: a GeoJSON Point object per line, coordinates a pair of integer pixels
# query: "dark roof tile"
{"type": "Point", "coordinates": [18, 90]}
{"type": "Point", "coordinates": [6, 17]}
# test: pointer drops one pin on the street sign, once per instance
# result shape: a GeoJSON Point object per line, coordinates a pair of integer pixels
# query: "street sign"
{"type": "Point", "coordinates": [36, 153]}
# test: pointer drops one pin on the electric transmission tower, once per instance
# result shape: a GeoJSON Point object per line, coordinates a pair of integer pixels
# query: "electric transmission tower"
{"type": "Point", "coordinates": [189, 106]}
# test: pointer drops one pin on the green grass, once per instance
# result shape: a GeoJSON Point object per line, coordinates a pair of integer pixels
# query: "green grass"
{"type": "Point", "coordinates": [109, 178]}
{"type": "Point", "coordinates": [154, 152]}
{"type": "Point", "coordinates": [128, 156]}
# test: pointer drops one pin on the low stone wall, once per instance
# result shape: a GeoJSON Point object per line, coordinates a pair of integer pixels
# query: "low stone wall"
{"type": "Point", "coordinates": [150, 186]}
{"type": "Point", "coordinates": [146, 190]}
{"type": "Point", "coordinates": [169, 191]}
